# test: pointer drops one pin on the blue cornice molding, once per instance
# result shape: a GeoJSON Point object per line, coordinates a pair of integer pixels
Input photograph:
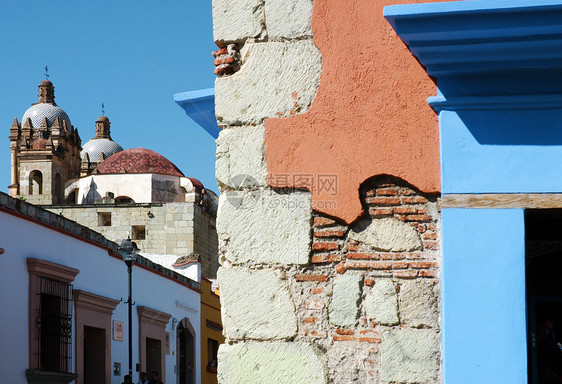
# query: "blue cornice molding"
{"type": "Point", "coordinates": [486, 47]}
{"type": "Point", "coordinates": [469, 37]}
{"type": "Point", "coordinates": [495, 102]}
{"type": "Point", "coordinates": [200, 107]}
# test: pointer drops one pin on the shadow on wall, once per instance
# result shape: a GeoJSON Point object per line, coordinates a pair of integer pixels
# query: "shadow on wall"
{"type": "Point", "coordinates": [514, 127]}
{"type": "Point", "coordinates": [92, 194]}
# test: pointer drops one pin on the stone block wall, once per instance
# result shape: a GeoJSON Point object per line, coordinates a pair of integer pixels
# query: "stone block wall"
{"type": "Point", "coordinates": [46, 168]}
{"type": "Point", "coordinates": [363, 299]}
{"type": "Point", "coordinates": [205, 241]}
{"type": "Point", "coordinates": [306, 298]}
{"type": "Point", "coordinates": [172, 228]}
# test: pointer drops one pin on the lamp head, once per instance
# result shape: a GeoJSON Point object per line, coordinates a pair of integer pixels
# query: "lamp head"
{"type": "Point", "coordinates": [128, 249]}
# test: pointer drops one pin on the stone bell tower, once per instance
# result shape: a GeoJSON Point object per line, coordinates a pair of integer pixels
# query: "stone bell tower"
{"type": "Point", "coordinates": [45, 150]}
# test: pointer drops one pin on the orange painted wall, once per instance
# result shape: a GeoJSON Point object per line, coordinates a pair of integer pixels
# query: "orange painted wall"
{"type": "Point", "coordinates": [370, 115]}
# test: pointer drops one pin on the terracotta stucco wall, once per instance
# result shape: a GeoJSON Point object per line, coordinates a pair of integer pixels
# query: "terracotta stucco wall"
{"type": "Point", "coordinates": [369, 116]}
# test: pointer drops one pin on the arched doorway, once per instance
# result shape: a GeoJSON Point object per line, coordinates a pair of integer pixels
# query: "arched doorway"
{"type": "Point", "coordinates": [185, 345]}
{"type": "Point", "coordinates": [72, 197]}
{"type": "Point", "coordinates": [35, 183]}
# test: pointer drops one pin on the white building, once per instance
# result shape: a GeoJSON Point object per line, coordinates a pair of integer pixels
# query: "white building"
{"type": "Point", "coordinates": [63, 289]}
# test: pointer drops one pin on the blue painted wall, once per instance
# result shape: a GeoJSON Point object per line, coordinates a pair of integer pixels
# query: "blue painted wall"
{"type": "Point", "coordinates": [501, 151]}
{"type": "Point", "coordinates": [483, 296]}
{"type": "Point", "coordinates": [498, 68]}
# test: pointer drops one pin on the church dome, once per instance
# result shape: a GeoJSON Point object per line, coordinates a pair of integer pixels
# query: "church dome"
{"type": "Point", "coordinates": [38, 112]}
{"type": "Point", "coordinates": [138, 160]}
{"type": "Point", "coordinates": [95, 147]}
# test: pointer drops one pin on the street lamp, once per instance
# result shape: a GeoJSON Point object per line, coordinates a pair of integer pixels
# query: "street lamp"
{"type": "Point", "coordinates": [129, 251]}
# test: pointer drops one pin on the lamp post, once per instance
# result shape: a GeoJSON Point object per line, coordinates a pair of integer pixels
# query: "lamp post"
{"type": "Point", "coordinates": [129, 251]}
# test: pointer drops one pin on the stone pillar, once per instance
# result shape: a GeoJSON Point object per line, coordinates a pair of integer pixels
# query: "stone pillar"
{"type": "Point", "coordinates": [13, 187]}
{"type": "Point", "coordinates": [305, 297]}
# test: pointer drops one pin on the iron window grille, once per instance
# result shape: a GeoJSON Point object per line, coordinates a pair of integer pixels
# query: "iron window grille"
{"type": "Point", "coordinates": [54, 326]}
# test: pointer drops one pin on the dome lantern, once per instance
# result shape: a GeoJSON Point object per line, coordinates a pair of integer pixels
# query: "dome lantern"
{"type": "Point", "coordinates": [103, 128]}
{"type": "Point", "coordinates": [46, 93]}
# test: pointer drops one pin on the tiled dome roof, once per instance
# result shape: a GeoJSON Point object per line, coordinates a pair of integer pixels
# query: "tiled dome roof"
{"type": "Point", "coordinates": [39, 111]}
{"type": "Point", "coordinates": [138, 160]}
{"type": "Point", "coordinates": [95, 147]}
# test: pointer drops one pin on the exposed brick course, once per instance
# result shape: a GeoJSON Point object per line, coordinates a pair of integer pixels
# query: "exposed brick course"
{"type": "Point", "coordinates": [226, 60]}
{"type": "Point", "coordinates": [333, 254]}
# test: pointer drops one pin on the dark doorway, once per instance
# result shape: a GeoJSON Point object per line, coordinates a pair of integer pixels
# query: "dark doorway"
{"type": "Point", "coordinates": [94, 355]}
{"type": "Point", "coordinates": [153, 356]}
{"type": "Point", "coordinates": [186, 355]}
{"type": "Point", "coordinates": [544, 294]}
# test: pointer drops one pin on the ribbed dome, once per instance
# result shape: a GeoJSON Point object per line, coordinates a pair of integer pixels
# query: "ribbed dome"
{"type": "Point", "coordinates": [95, 147]}
{"type": "Point", "coordinates": [138, 160]}
{"type": "Point", "coordinates": [38, 112]}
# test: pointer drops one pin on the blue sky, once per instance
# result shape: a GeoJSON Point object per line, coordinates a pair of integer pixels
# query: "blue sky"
{"type": "Point", "coordinates": [106, 51]}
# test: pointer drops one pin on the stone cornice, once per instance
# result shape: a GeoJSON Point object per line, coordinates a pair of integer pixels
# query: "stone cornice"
{"type": "Point", "coordinates": [149, 315]}
{"type": "Point", "coordinates": [51, 270]}
{"type": "Point", "coordinates": [94, 302]}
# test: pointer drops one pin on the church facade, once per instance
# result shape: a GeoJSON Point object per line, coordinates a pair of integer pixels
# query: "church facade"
{"type": "Point", "coordinates": [119, 193]}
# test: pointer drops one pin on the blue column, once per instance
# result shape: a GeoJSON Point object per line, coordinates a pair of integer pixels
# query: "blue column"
{"type": "Point", "coordinates": [483, 296]}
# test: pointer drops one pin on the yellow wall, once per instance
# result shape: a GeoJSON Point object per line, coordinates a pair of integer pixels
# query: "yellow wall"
{"type": "Point", "coordinates": [210, 311]}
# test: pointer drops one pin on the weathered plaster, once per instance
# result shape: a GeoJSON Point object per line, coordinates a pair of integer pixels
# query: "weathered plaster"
{"type": "Point", "coordinates": [381, 303]}
{"type": "Point", "coordinates": [386, 235]}
{"type": "Point", "coordinates": [264, 226]}
{"type": "Point", "coordinates": [276, 79]}
{"type": "Point", "coordinates": [243, 291]}
{"type": "Point", "coordinates": [370, 114]}
{"type": "Point", "coordinates": [279, 363]}
{"type": "Point", "coordinates": [410, 356]}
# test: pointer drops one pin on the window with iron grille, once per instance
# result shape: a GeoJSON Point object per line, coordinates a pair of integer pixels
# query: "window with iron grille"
{"type": "Point", "coordinates": [54, 325]}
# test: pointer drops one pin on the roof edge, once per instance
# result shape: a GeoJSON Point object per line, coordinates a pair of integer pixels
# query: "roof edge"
{"type": "Point", "coordinates": [72, 228]}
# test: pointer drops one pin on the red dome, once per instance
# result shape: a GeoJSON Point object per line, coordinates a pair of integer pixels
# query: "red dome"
{"type": "Point", "coordinates": [138, 160]}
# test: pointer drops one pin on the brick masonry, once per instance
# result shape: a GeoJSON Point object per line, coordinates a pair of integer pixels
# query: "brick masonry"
{"type": "Point", "coordinates": [385, 308]}
{"type": "Point", "coordinates": [354, 352]}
